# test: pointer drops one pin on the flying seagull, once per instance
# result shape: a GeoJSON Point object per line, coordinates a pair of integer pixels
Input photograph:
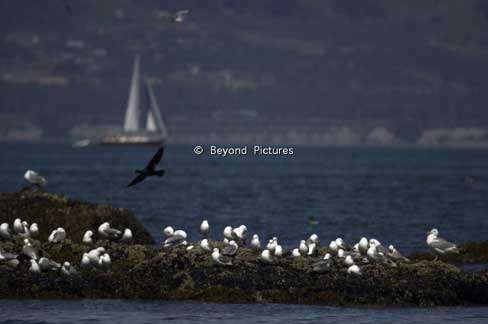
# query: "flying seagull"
{"type": "Point", "coordinates": [179, 16]}
{"type": "Point", "coordinates": [150, 169]}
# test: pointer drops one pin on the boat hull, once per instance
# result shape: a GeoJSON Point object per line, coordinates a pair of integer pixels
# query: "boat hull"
{"type": "Point", "coordinates": [132, 140]}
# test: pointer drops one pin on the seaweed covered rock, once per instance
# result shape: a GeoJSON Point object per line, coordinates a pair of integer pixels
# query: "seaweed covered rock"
{"type": "Point", "coordinates": [51, 211]}
{"type": "Point", "coordinates": [140, 271]}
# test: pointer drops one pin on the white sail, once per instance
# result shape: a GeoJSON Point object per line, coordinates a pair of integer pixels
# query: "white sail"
{"type": "Point", "coordinates": [131, 123]}
{"type": "Point", "coordinates": [154, 120]}
{"type": "Point", "coordinates": [151, 123]}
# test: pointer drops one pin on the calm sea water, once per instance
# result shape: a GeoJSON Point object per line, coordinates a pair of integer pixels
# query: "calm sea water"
{"type": "Point", "coordinates": [394, 195]}
{"type": "Point", "coordinates": [109, 311]}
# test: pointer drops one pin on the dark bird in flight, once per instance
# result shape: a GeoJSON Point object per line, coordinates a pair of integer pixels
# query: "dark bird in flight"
{"type": "Point", "coordinates": [150, 169]}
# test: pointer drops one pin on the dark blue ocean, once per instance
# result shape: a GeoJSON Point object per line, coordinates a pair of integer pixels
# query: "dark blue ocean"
{"type": "Point", "coordinates": [394, 195]}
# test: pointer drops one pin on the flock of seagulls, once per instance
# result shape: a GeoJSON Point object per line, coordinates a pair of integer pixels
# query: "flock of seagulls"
{"type": "Point", "coordinates": [95, 258]}
{"type": "Point", "coordinates": [222, 253]}
{"type": "Point", "coordinates": [339, 252]}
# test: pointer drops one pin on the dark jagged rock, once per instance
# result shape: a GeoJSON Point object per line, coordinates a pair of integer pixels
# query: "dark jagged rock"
{"type": "Point", "coordinates": [51, 211]}
{"type": "Point", "coordinates": [141, 271]}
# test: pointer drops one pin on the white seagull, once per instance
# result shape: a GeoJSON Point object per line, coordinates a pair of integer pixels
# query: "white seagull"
{"type": "Point", "coordinates": [296, 253]}
{"type": "Point", "coordinates": [255, 243]}
{"type": "Point", "coordinates": [354, 269]}
{"type": "Point", "coordinates": [47, 264]}
{"type": "Point", "coordinates": [34, 230]}
{"type": "Point", "coordinates": [29, 251]}
{"type": "Point", "coordinates": [204, 228]}
{"type": "Point", "coordinates": [168, 231]}
{"type": "Point", "coordinates": [18, 226]}
{"type": "Point", "coordinates": [228, 233]}
{"type": "Point", "coordinates": [34, 267]}
{"type": "Point", "coordinates": [205, 245]}
{"type": "Point", "coordinates": [105, 261]}
{"type": "Point", "coordinates": [230, 249]}
{"type": "Point", "coordinates": [220, 259]}
{"type": "Point", "coordinates": [179, 16]}
{"type": "Point", "coordinates": [34, 178]}
{"type": "Point", "coordinates": [363, 246]}
{"type": "Point", "coordinates": [5, 231]}
{"type": "Point", "coordinates": [127, 236]}
{"type": "Point", "coordinates": [439, 245]}
{"type": "Point", "coordinates": [303, 248]}
{"type": "Point", "coordinates": [106, 232]}
{"type": "Point", "coordinates": [333, 247]}
{"type": "Point", "coordinates": [68, 270]}
{"type": "Point", "coordinates": [278, 252]}
{"type": "Point", "coordinates": [87, 238]}
{"type": "Point", "coordinates": [395, 255]}
{"type": "Point", "coordinates": [266, 256]}
{"type": "Point", "coordinates": [57, 236]}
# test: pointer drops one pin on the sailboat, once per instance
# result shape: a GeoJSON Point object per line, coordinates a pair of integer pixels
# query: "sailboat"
{"type": "Point", "coordinates": [155, 131]}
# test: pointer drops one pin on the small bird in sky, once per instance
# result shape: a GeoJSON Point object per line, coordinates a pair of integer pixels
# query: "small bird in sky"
{"type": "Point", "coordinates": [179, 16]}
{"type": "Point", "coordinates": [150, 169]}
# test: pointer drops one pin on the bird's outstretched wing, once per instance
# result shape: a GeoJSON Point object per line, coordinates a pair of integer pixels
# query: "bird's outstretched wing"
{"type": "Point", "coordinates": [182, 12]}
{"type": "Point", "coordinates": [155, 159]}
{"type": "Point", "coordinates": [137, 179]}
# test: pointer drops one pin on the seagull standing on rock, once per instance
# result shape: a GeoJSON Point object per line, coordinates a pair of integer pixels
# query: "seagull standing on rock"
{"type": "Point", "coordinates": [220, 259]}
{"type": "Point", "coordinates": [18, 226]}
{"type": "Point", "coordinates": [177, 238]}
{"type": "Point", "coordinates": [439, 245]}
{"type": "Point", "coordinates": [303, 248]}
{"type": "Point", "coordinates": [230, 249]}
{"type": "Point", "coordinates": [278, 252]}
{"type": "Point", "coordinates": [127, 236]}
{"type": "Point", "coordinates": [333, 247]}
{"type": "Point", "coordinates": [363, 246]}
{"type": "Point", "coordinates": [47, 264]}
{"type": "Point", "coordinates": [68, 270]}
{"type": "Point", "coordinates": [354, 270]}
{"type": "Point", "coordinates": [34, 230]}
{"type": "Point", "coordinates": [105, 261]}
{"type": "Point", "coordinates": [34, 178]}
{"type": "Point", "coordinates": [228, 232]}
{"type": "Point", "coordinates": [34, 267]}
{"type": "Point", "coordinates": [29, 251]}
{"type": "Point", "coordinates": [205, 245]}
{"type": "Point", "coordinates": [5, 231]}
{"type": "Point", "coordinates": [106, 232]}
{"type": "Point", "coordinates": [87, 238]}
{"type": "Point", "coordinates": [239, 234]}
{"type": "Point", "coordinates": [255, 243]}
{"type": "Point", "coordinates": [57, 236]}
{"type": "Point", "coordinates": [204, 228]}
{"type": "Point", "coordinates": [296, 253]}
{"type": "Point", "coordinates": [266, 257]}
{"type": "Point", "coordinates": [395, 255]}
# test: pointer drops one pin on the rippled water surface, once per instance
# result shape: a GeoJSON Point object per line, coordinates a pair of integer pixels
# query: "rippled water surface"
{"type": "Point", "coordinates": [110, 311]}
{"type": "Point", "coordinates": [393, 195]}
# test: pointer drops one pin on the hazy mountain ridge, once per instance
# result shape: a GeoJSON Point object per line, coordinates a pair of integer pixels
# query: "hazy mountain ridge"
{"type": "Point", "coordinates": [407, 67]}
